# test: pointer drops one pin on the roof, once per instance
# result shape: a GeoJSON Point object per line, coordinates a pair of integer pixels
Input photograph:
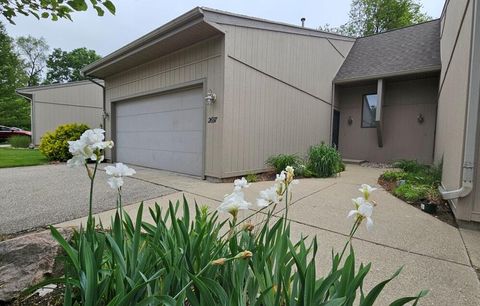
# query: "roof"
{"type": "Point", "coordinates": [409, 50]}
{"type": "Point", "coordinates": [31, 89]}
{"type": "Point", "coordinates": [224, 17]}
{"type": "Point", "coordinates": [195, 25]}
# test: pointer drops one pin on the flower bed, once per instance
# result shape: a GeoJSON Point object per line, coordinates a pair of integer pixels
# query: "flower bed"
{"type": "Point", "coordinates": [417, 184]}
{"type": "Point", "coordinates": [194, 259]}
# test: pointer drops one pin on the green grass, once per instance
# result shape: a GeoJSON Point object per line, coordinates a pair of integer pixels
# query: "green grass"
{"type": "Point", "coordinates": [10, 157]}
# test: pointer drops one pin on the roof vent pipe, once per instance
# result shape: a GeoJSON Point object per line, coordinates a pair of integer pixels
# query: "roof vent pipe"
{"type": "Point", "coordinates": [303, 21]}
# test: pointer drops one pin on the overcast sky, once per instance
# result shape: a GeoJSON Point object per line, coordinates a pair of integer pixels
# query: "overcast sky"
{"type": "Point", "coordinates": [138, 17]}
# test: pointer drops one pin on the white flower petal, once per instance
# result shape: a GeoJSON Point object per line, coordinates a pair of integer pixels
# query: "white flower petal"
{"type": "Point", "coordinates": [369, 223]}
{"type": "Point", "coordinates": [262, 202]}
{"type": "Point", "coordinates": [115, 182]}
{"type": "Point", "coordinates": [76, 161]}
{"type": "Point", "coordinates": [234, 202]}
{"type": "Point", "coordinates": [352, 213]}
{"type": "Point", "coordinates": [240, 184]}
{"type": "Point", "coordinates": [366, 210]}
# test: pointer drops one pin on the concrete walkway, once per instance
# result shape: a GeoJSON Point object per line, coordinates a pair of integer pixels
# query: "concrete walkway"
{"type": "Point", "coordinates": [433, 253]}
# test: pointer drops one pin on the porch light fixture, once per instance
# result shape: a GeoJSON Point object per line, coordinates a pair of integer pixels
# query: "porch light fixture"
{"type": "Point", "coordinates": [210, 98]}
{"type": "Point", "coordinates": [420, 119]}
{"type": "Point", "coordinates": [350, 120]}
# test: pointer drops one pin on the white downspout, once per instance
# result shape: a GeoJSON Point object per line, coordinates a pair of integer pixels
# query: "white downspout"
{"type": "Point", "coordinates": [472, 116]}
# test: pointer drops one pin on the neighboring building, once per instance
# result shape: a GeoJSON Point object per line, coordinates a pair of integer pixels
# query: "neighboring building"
{"type": "Point", "coordinates": [410, 93]}
{"type": "Point", "coordinates": [56, 104]}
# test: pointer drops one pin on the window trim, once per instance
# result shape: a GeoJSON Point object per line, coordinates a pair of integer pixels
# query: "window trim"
{"type": "Point", "coordinates": [363, 101]}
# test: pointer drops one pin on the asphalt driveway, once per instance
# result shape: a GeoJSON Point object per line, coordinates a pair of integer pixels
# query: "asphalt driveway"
{"type": "Point", "coordinates": [37, 196]}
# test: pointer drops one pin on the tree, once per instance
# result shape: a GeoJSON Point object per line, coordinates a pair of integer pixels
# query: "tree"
{"type": "Point", "coordinates": [14, 111]}
{"type": "Point", "coordinates": [369, 17]}
{"type": "Point", "coordinates": [65, 66]}
{"type": "Point", "coordinates": [53, 9]}
{"type": "Point", "coordinates": [34, 53]}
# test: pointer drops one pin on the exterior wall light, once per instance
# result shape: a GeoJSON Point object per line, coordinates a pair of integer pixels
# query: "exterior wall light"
{"type": "Point", "coordinates": [350, 120]}
{"type": "Point", "coordinates": [420, 119]}
{"type": "Point", "coordinates": [210, 98]}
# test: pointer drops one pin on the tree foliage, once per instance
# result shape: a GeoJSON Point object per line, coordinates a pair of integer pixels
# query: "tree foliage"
{"type": "Point", "coordinates": [368, 17]}
{"type": "Point", "coordinates": [53, 9]}
{"type": "Point", "coordinates": [14, 111]}
{"type": "Point", "coordinates": [34, 53]}
{"type": "Point", "coordinates": [63, 66]}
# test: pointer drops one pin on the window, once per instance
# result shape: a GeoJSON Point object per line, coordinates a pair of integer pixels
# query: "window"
{"type": "Point", "coordinates": [369, 110]}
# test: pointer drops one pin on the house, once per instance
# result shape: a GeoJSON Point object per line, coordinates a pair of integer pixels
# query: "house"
{"type": "Point", "coordinates": [56, 104]}
{"type": "Point", "coordinates": [269, 86]}
{"type": "Point", "coordinates": [214, 94]}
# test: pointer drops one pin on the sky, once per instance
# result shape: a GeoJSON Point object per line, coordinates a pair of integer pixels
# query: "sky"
{"type": "Point", "coordinates": [135, 18]}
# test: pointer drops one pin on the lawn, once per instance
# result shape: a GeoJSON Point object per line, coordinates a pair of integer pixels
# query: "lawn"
{"type": "Point", "coordinates": [10, 157]}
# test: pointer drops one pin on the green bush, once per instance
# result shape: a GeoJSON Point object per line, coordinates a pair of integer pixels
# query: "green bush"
{"type": "Point", "coordinates": [324, 161]}
{"type": "Point", "coordinates": [420, 174]}
{"type": "Point", "coordinates": [19, 141]}
{"type": "Point", "coordinates": [411, 193]}
{"type": "Point", "coordinates": [281, 161]}
{"type": "Point", "coordinates": [251, 178]}
{"type": "Point", "coordinates": [394, 175]}
{"type": "Point", "coordinates": [54, 145]}
{"type": "Point", "coordinates": [411, 166]}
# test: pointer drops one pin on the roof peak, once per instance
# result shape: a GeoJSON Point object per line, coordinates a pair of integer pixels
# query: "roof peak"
{"type": "Point", "coordinates": [243, 16]}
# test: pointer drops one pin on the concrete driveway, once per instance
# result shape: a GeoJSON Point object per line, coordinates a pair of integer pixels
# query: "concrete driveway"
{"type": "Point", "coordinates": [432, 252]}
{"type": "Point", "coordinates": [49, 194]}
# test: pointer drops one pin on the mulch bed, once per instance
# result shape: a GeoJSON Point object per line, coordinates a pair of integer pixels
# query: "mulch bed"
{"type": "Point", "coordinates": [443, 213]}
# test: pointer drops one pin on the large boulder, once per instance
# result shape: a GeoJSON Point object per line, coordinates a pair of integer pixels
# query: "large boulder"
{"type": "Point", "coordinates": [27, 260]}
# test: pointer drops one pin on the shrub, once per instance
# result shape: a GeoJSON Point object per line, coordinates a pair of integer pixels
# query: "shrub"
{"type": "Point", "coordinates": [394, 175]}
{"type": "Point", "coordinates": [54, 145]}
{"type": "Point", "coordinates": [19, 141]}
{"type": "Point", "coordinates": [420, 174]}
{"type": "Point", "coordinates": [324, 161]}
{"type": "Point", "coordinates": [281, 161]}
{"type": "Point", "coordinates": [411, 193]}
{"type": "Point", "coordinates": [411, 166]}
{"type": "Point", "coordinates": [251, 178]}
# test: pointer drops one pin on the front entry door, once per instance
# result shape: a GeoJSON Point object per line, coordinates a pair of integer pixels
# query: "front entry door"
{"type": "Point", "coordinates": [335, 128]}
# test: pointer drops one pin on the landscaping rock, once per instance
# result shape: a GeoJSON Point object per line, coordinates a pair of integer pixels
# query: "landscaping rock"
{"type": "Point", "coordinates": [27, 260]}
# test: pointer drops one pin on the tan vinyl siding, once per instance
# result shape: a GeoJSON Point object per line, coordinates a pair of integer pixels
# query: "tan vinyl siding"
{"type": "Point", "coordinates": [278, 89]}
{"type": "Point", "coordinates": [452, 104]}
{"type": "Point", "coordinates": [403, 136]}
{"type": "Point", "coordinates": [201, 61]}
{"type": "Point", "coordinates": [53, 106]}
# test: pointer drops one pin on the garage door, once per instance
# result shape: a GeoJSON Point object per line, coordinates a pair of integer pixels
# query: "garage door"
{"type": "Point", "coordinates": [162, 132]}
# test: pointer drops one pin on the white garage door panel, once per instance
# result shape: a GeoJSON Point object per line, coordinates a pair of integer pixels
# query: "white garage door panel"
{"type": "Point", "coordinates": [163, 132]}
{"type": "Point", "coordinates": [179, 120]}
{"type": "Point", "coordinates": [189, 142]}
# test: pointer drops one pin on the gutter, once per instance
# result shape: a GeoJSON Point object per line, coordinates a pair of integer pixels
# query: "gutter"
{"type": "Point", "coordinates": [104, 102]}
{"type": "Point", "coordinates": [469, 154]}
{"type": "Point", "coordinates": [29, 96]}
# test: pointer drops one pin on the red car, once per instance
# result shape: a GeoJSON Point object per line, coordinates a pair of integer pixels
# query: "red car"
{"type": "Point", "coordinates": [6, 132]}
